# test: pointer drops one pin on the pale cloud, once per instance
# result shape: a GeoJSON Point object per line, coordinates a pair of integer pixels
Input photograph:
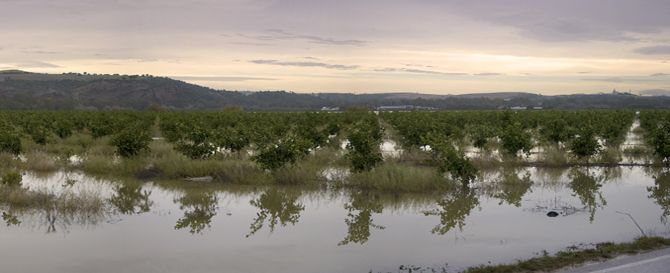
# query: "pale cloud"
{"type": "Point", "coordinates": [306, 64]}
{"type": "Point", "coordinates": [35, 64]}
{"type": "Point", "coordinates": [221, 78]}
{"type": "Point", "coordinates": [283, 35]}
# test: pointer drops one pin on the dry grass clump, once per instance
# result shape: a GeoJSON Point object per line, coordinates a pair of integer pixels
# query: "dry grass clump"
{"type": "Point", "coordinates": [399, 178]}
{"type": "Point", "coordinates": [554, 156]}
{"type": "Point", "coordinates": [9, 161]}
{"type": "Point", "coordinates": [21, 199]}
{"type": "Point", "coordinates": [40, 161]}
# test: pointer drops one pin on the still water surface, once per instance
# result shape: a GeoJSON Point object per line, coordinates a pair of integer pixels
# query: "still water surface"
{"type": "Point", "coordinates": [180, 227]}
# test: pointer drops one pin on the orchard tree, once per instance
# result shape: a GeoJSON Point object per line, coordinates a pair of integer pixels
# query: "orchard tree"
{"type": "Point", "coordinates": [515, 139]}
{"type": "Point", "coordinates": [365, 137]}
{"type": "Point", "coordinates": [449, 160]}
{"type": "Point", "coordinates": [131, 141]}
{"type": "Point", "coordinates": [286, 151]}
{"type": "Point", "coordinates": [661, 141]}
{"type": "Point", "coordinates": [585, 144]}
{"type": "Point", "coordinates": [231, 138]}
{"type": "Point", "coordinates": [197, 143]}
{"type": "Point", "coordinates": [10, 142]}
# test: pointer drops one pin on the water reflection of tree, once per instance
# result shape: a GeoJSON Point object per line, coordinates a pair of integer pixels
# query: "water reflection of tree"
{"type": "Point", "coordinates": [199, 209]}
{"type": "Point", "coordinates": [10, 219]}
{"type": "Point", "coordinates": [586, 187]}
{"type": "Point", "coordinates": [359, 219]}
{"type": "Point", "coordinates": [512, 188]}
{"type": "Point", "coordinates": [131, 199]}
{"type": "Point", "coordinates": [661, 193]}
{"type": "Point", "coordinates": [454, 208]}
{"type": "Point", "coordinates": [275, 207]}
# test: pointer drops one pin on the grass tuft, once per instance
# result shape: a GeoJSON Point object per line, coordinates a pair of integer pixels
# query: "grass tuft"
{"type": "Point", "coordinates": [548, 263]}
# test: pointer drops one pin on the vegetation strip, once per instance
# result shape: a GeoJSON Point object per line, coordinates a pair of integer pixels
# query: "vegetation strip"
{"type": "Point", "coordinates": [435, 150]}
{"type": "Point", "coordinates": [563, 259]}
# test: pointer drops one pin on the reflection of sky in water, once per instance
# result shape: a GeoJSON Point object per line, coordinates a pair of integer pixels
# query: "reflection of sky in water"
{"type": "Point", "coordinates": [310, 226]}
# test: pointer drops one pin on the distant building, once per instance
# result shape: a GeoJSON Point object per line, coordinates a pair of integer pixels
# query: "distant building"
{"type": "Point", "coordinates": [518, 108]}
{"type": "Point", "coordinates": [538, 108]}
{"type": "Point", "coordinates": [330, 109]}
{"type": "Point", "coordinates": [403, 108]}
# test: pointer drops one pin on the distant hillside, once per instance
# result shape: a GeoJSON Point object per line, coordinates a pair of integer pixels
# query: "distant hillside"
{"type": "Point", "coordinates": [655, 92]}
{"type": "Point", "coordinates": [24, 90]}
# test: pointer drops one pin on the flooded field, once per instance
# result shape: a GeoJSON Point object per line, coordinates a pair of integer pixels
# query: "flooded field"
{"type": "Point", "coordinates": [204, 227]}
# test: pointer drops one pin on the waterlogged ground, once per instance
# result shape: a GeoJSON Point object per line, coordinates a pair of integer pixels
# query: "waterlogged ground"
{"type": "Point", "coordinates": [190, 227]}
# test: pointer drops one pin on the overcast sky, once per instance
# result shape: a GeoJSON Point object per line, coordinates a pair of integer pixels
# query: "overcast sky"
{"type": "Point", "coordinates": [432, 46]}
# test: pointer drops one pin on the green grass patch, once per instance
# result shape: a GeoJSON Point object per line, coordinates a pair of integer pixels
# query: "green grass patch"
{"type": "Point", "coordinates": [562, 259]}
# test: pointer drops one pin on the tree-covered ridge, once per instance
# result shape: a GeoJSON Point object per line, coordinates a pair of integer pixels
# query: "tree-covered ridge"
{"type": "Point", "coordinates": [22, 90]}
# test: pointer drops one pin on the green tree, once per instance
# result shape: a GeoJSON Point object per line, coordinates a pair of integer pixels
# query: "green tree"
{"type": "Point", "coordinates": [287, 151]}
{"type": "Point", "coordinates": [585, 144]}
{"type": "Point", "coordinates": [515, 139]}
{"type": "Point", "coordinates": [10, 142]}
{"type": "Point", "coordinates": [661, 141]}
{"type": "Point", "coordinates": [365, 137]}
{"type": "Point", "coordinates": [449, 160]}
{"type": "Point", "coordinates": [197, 144]}
{"type": "Point", "coordinates": [131, 141]}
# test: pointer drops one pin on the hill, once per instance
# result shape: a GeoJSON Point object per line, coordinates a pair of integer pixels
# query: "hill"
{"type": "Point", "coordinates": [25, 90]}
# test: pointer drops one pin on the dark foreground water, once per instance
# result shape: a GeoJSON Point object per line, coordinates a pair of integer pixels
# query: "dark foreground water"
{"type": "Point", "coordinates": [170, 227]}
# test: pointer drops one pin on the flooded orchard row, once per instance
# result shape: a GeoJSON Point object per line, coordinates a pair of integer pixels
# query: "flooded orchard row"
{"type": "Point", "coordinates": [199, 227]}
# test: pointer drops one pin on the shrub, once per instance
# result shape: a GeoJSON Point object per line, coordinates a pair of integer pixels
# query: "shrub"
{"type": "Point", "coordinates": [9, 142]}
{"type": "Point", "coordinates": [39, 134]}
{"type": "Point", "coordinates": [197, 144]}
{"type": "Point", "coordinates": [287, 151]}
{"type": "Point", "coordinates": [364, 140]}
{"type": "Point", "coordinates": [12, 179]}
{"type": "Point", "coordinates": [449, 160]}
{"type": "Point", "coordinates": [131, 141]}
{"type": "Point", "coordinates": [515, 139]}
{"type": "Point", "coordinates": [661, 141]}
{"type": "Point", "coordinates": [584, 145]}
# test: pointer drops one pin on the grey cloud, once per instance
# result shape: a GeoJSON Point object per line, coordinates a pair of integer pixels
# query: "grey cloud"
{"type": "Point", "coordinates": [619, 79]}
{"type": "Point", "coordinates": [419, 71]}
{"type": "Point", "coordinates": [659, 74]}
{"type": "Point", "coordinates": [250, 44]}
{"type": "Point", "coordinates": [654, 50]}
{"type": "Point", "coordinates": [570, 20]}
{"type": "Point", "coordinates": [282, 35]}
{"type": "Point", "coordinates": [221, 78]}
{"type": "Point", "coordinates": [306, 64]}
{"type": "Point", "coordinates": [41, 52]}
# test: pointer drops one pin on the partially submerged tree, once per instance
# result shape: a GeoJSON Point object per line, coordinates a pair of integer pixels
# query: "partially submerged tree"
{"type": "Point", "coordinates": [585, 145]}
{"type": "Point", "coordinates": [516, 139]}
{"type": "Point", "coordinates": [449, 160]}
{"type": "Point", "coordinates": [365, 137]}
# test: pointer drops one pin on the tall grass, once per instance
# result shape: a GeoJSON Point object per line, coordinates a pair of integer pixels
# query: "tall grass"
{"type": "Point", "coordinates": [399, 178]}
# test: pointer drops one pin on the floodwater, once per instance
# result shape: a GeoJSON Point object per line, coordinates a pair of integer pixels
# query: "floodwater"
{"type": "Point", "coordinates": [200, 227]}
